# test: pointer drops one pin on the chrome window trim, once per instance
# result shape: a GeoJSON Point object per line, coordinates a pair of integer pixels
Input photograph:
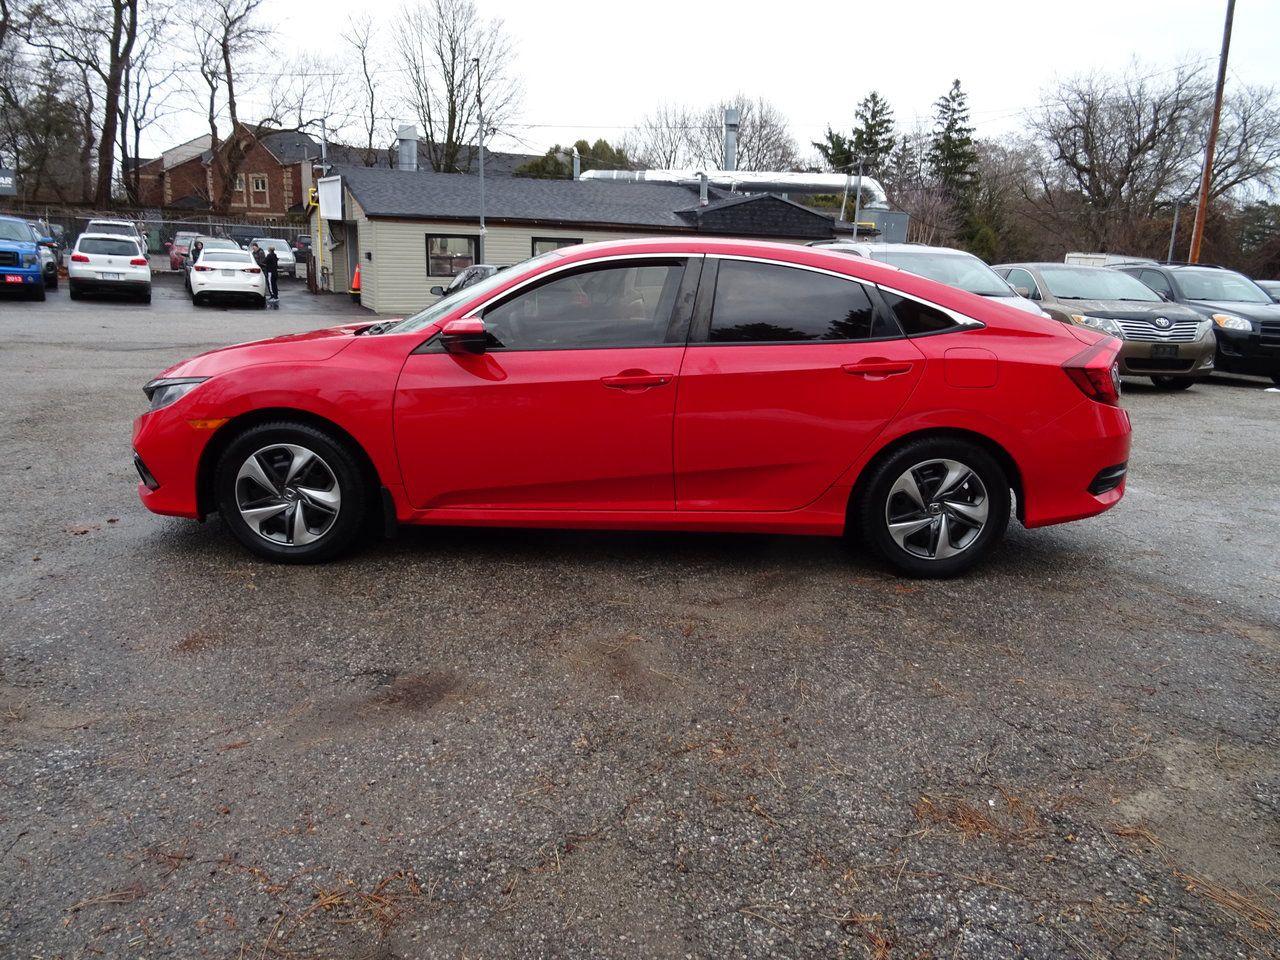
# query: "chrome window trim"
{"type": "Point", "coordinates": [961, 319]}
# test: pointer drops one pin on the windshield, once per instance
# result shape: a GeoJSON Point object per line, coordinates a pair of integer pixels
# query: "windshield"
{"type": "Point", "coordinates": [224, 256]}
{"type": "Point", "coordinates": [217, 243]}
{"type": "Point", "coordinates": [956, 269]}
{"type": "Point", "coordinates": [474, 292]}
{"type": "Point", "coordinates": [108, 226]}
{"type": "Point", "coordinates": [1090, 283]}
{"type": "Point", "coordinates": [12, 230]}
{"type": "Point", "coordinates": [270, 244]}
{"type": "Point", "coordinates": [1204, 283]}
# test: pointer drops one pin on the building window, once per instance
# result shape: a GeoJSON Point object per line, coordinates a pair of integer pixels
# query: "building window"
{"type": "Point", "coordinates": [448, 256]}
{"type": "Point", "coordinates": [543, 245]}
{"type": "Point", "coordinates": [239, 181]}
{"type": "Point", "coordinates": [259, 184]}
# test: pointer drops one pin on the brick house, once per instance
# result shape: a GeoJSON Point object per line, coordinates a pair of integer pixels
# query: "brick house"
{"type": "Point", "coordinates": [271, 184]}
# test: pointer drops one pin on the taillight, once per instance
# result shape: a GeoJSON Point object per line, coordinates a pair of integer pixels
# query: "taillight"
{"type": "Point", "coordinates": [79, 258]}
{"type": "Point", "coordinates": [251, 270]}
{"type": "Point", "coordinates": [202, 269]}
{"type": "Point", "coordinates": [138, 262]}
{"type": "Point", "coordinates": [1095, 371]}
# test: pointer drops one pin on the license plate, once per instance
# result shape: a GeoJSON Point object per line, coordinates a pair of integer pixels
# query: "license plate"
{"type": "Point", "coordinates": [108, 276]}
{"type": "Point", "coordinates": [1163, 351]}
{"type": "Point", "coordinates": [227, 273]}
{"type": "Point", "coordinates": [12, 278]}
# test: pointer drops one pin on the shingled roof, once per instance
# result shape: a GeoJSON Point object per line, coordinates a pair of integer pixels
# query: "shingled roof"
{"type": "Point", "coordinates": [417, 195]}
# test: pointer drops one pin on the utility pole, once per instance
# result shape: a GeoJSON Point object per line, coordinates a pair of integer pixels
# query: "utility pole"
{"type": "Point", "coordinates": [857, 201]}
{"type": "Point", "coordinates": [1173, 234]}
{"type": "Point", "coordinates": [1197, 232]}
{"type": "Point", "coordinates": [480, 110]}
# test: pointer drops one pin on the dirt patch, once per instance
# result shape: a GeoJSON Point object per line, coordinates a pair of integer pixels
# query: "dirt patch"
{"type": "Point", "coordinates": [415, 693]}
{"type": "Point", "coordinates": [197, 641]}
{"type": "Point", "coordinates": [632, 666]}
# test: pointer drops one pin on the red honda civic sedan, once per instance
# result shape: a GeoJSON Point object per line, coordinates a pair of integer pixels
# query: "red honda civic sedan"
{"type": "Point", "coordinates": [665, 384]}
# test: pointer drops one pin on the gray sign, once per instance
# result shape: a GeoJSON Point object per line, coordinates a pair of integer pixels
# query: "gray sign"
{"type": "Point", "coordinates": [8, 183]}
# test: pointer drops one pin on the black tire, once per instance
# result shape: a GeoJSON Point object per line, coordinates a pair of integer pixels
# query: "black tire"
{"type": "Point", "coordinates": [73, 291]}
{"type": "Point", "coordinates": [1174, 383]}
{"type": "Point", "coordinates": [334, 456]}
{"type": "Point", "coordinates": [51, 281]}
{"type": "Point", "coordinates": [1275, 378]}
{"type": "Point", "coordinates": [869, 517]}
{"type": "Point", "coordinates": [38, 292]}
{"type": "Point", "coordinates": [261, 303]}
{"type": "Point", "coordinates": [146, 297]}
{"type": "Point", "coordinates": [196, 300]}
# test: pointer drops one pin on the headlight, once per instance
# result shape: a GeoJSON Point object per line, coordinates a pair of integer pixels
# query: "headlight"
{"type": "Point", "coordinates": [1105, 324]}
{"type": "Point", "coordinates": [167, 390]}
{"type": "Point", "coordinates": [30, 259]}
{"type": "Point", "coordinates": [1229, 321]}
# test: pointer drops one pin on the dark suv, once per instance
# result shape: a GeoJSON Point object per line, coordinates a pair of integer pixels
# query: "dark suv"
{"type": "Point", "coordinates": [1246, 321]}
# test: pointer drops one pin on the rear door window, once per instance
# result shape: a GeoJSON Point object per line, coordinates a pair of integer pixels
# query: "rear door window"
{"type": "Point", "coordinates": [109, 247]}
{"type": "Point", "coordinates": [772, 303]}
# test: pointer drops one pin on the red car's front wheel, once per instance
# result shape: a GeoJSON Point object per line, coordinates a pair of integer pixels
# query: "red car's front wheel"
{"type": "Point", "coordinates": [291, 492]}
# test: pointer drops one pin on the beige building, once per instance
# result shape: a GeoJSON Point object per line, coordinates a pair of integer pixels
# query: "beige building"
{"type": "Point", "coordinates": [410, 231]}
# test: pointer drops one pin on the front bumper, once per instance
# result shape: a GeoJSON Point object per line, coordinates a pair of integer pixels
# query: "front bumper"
{"type": "Point", "coordinates": [167, 449]}
{"type": "Point", "coordinates": [27, 277]}
{"type": "Point", "coordinates": [1195, 359]}
{"type": "Point", "coordinates": [1254, 352]}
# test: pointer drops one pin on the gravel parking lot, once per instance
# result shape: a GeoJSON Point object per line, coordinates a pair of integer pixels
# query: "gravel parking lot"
{"type": "Point", "coordinates": [492, 743]}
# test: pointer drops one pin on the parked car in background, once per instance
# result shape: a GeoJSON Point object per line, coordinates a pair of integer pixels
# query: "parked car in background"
{"type": "Point", "coordinates": [179, 246]}
{"type": "Point", "coordinates": [1171, 344]}
{"type": "Point", "coordinates": [301, 246]}
{"type": "Point", "coordinates": [284, 253]}
{"type": "Point", "coordinates": [115, 228]}
{"type": "Point", "coordinates": [665, 384]}
{"type": "Point", "coordinates": [207, 243]}
{"type": "Point", "coordinates": [109, 263]}
{"type": "Point", "coordinates": [243, 235]}
{"type": "Point", "coordinates": [1246, 321]}
{"type": "Point", "coordinates": [48, 253]}
{"type": "Point", "coordinates": [221, 274]}
{"type": "Point", "coordinates": [943, 264]}
{"type": "Point", "coordinates": [465, 278]}
{"type": "Point", "coordinates": [1272, 287]}
{"type": "Point", "coordinates": [20, 269]}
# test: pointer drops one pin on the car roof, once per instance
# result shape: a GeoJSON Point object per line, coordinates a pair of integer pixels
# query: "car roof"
{"type": "Point", "coordinates": [893, 247]}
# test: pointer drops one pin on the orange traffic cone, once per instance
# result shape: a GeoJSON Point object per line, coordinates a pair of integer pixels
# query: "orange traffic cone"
{"type": "Point", "coordinates": [354, 289]}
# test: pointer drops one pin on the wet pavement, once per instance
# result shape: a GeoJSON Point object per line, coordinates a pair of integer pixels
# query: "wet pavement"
{"type": "Point", "coordinates": [522, 743]}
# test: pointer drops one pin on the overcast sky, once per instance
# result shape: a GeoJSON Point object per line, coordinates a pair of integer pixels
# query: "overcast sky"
{"type": "Point", "coordinates": [595, 69]}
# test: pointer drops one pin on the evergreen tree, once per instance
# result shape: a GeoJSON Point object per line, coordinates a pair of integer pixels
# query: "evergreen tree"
{"type": "Point", "coordinates": [837, 151]}
{"type": "Point", "coordinates": [952, 157]}
{"type": "Point", "coordinates": [557, 163]}
{"type": "Point", "coordinates": [873, 138]}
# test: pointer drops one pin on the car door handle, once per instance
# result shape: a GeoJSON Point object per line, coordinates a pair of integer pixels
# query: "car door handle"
{"type": "Point", "coordinates": [877, 367]}
{"type": "Point", "coordinates": [636, 380]}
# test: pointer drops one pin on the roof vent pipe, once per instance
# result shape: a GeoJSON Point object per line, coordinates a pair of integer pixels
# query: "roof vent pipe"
{"type": "Point", "coordinates": [407, 147]}
{"type": "Point", "coordinates": [731, 117]}
{"type": "Point", "coordinates": [702, 189]}
{"type": "Point", "coordinates": [577, 164]}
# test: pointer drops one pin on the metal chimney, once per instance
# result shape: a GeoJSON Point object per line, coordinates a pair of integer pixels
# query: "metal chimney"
{"type": "Point", "coordinates": [702, 189]}
{"type": "Point", "coordinates": [731, 139]}
{"type": "Point", "coordinates": [407, 147]}
{"type": "Point", "coordinates": [577, 164]}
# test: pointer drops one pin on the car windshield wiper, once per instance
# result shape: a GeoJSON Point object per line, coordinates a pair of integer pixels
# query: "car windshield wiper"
{"type": "Point", "coordinates": [381, 327]}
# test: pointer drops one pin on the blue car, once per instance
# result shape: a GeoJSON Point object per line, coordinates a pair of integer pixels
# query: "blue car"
{"type": "Point", "coordinates": [20, 269]}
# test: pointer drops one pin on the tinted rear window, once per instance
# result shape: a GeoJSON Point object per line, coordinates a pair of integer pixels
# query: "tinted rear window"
{"type": "Point", "coordinates": [915, 317]}
{"type": "Point", "coordinates": [109, 247]}
{"type": "Point", "coordinates": [224, 256]}
{"type": "Point", "coordinates": [769, 303]}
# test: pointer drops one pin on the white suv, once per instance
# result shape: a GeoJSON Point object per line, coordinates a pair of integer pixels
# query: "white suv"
{"type": "Point", "coordinates": [956, 268]}
{"type": "Point", "coordinates": [109, 263]}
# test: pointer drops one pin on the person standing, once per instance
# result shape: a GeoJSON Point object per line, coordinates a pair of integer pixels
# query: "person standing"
{"type": "Point", "coordinates": [271, 267]}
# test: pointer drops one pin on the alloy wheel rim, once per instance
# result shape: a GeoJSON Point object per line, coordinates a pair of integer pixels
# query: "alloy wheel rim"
{"type": "Point", "coordinates": [937, 509]}
{"type": "Point", "coordinates": [287, 494]}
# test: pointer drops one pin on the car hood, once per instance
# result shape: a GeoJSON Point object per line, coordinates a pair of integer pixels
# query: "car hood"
{"type": "Point", "coordinates": [1250, 311]}
{"type": "Point", "coordinates": [21, 246]}
{"type": "Point", "coordinates": [1128, 309]}
{"type": "Point", "coordinates": [311, 347]}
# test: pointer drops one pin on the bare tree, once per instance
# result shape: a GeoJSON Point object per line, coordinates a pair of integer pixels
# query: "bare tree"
{"type": "Point", "coordinates": [317, 88]}
{"type": "Point", "coordinates": [661, 141]}
{"type": "Point", "coordinates": [438, 44]}
{"type": "Point", "coordinates": [97, 37]}
{"type": "Point", "coordinates": [362, 37]}
{"type": "Point", "coordinates": [764, 139]}
{"type": "Point", "coordinates": [148, 91]}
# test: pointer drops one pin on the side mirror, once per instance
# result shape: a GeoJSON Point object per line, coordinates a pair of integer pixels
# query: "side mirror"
{"type": "Point", "coordinates": [437, 291]}
{"type": "Point", "coordinates": [1164, 296]}
{"type": "Point", "coordinates": [1023, 292]}
{"type": "Point", "coordinates": [168, 244]}
{"type": "Point", "coordinates": [47, 242]}
{"type": "Point", "coordinates": [464, 336]}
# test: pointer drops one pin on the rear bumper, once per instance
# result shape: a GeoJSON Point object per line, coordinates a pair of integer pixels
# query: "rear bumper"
{"type": "Point", "coordinates": [1067, 459]}
{"type": "Point", "coordinates": [95, 285]}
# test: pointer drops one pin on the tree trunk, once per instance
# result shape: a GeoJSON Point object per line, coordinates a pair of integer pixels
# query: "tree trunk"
{"type": "Point", "coordinates": [124, 31]}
